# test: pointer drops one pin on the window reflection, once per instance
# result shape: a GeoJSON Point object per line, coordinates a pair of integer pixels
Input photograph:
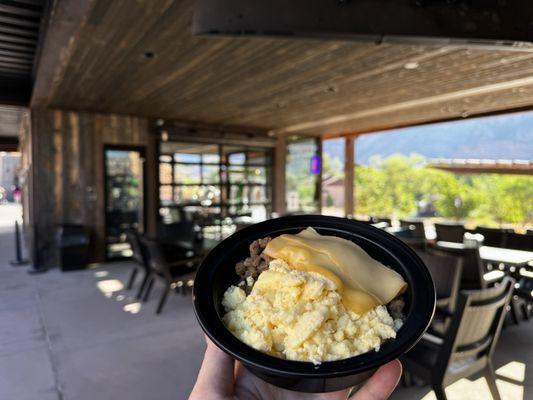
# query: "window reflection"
{"type": "Point", "coordinates": [216, 187]}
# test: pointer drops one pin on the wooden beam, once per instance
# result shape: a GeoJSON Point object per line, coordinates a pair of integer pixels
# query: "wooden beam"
{"type": "Point", "coordinates": [405, 105]}
{"type": "Point", "coordinates": [280, 159]}
{"type": "Point", "coordinates": [349, 164]}
{"type": "Point", "coordinates": [66, 19]}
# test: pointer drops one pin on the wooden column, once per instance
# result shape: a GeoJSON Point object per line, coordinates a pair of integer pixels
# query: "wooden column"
{"type": "Point", "coordinates": [280, 157]}
{"type": "Point", "coordinates": [349, 164]}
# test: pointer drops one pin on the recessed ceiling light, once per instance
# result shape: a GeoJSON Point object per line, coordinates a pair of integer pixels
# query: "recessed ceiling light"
{"type": "Point", "coordinates": [411, 65]}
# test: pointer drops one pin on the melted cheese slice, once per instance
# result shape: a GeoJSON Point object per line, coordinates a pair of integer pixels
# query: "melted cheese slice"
{"type": "Point", "coordinates": [362, 282]}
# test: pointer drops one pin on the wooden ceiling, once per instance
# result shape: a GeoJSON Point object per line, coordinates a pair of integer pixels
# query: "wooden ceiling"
{"type": "Point", "coordinates": [20, 21]}
{"type": "Point", "coordinates": [139, 58]}
{"type": "Point", "coordinates": [10, 118]}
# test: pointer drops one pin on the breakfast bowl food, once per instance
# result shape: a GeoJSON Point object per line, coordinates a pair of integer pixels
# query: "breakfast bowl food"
{"type": "Point", "coordinates": [292, 310]}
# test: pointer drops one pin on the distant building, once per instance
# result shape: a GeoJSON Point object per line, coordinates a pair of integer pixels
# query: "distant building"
{"type": "Point", "coordinates": [333, 192]}
{"type": "Point", "coordinates": [9, 166]}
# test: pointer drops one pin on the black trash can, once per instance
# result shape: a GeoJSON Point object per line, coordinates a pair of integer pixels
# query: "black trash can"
{"type": "Point", "coordinates": [73, 244]}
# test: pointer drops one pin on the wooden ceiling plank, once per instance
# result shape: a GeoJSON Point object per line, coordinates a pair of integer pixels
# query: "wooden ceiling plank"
{"type": "Point", "coordinates": [408, 104]}
{"type": "Point", "coordinates": [110, 32]}
{"type": "Point", "coordinates": [127, 64]}
{"type": "Point", "coordinates": [64, 26]}
{"type": "Point", "coordinates": [23, 32]}
{"type": "Point", "coordinates": [15, 54]}
{"type": "Point", "coordinates": [19, 11]}
{"type": "Point", "coordinates": [396, 83]}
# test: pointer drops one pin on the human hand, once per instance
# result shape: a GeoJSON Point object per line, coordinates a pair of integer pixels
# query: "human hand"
{"type": "Point", "coordinates": [221, 378]}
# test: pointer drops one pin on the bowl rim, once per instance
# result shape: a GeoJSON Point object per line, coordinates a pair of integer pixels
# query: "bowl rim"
{"type": "Point", "coordinates": [418, 319]}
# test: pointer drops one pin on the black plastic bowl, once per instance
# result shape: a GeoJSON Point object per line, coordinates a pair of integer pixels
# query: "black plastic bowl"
{"type": "Point", "coordinates": [217, 273]}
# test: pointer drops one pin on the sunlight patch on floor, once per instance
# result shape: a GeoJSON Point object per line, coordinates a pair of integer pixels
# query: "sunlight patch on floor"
{"type": "Point", "coordinates": [101, 274]}
{"type": "Point", "coordinates": [514, 370]}
{"type": "Point", "coordinates": [132, 308]}
{"type": "Point", "coordinates": [465, 389]}
{"type": "Point", "coordinates": [109, 286]}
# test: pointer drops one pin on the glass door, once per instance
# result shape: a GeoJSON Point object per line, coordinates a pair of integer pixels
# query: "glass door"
{"type": "Point", "coordinates": [124, 196]}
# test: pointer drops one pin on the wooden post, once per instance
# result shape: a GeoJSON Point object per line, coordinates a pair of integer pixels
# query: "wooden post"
{"type": "Point", "coordinates": [349, 174]}
{"type": "Point", "coordinates": [280, 158]}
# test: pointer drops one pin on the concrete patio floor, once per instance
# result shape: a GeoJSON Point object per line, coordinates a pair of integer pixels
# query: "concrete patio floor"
{"type": "Point", "coordinates": [81, 336]}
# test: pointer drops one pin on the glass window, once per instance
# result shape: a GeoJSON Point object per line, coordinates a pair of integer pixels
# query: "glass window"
{"type": "Point", "coordinates": [237, 158]}
{"type": "Point", "coordinates": [204, 181]}
{"type": "Point", "coordinates": [333, 153]}
{"type": "Point", "coordinates": [165, 173]}
{"type": "Point", "coordinates": [210, 174]}
{"type": "Point", "coordinates": [205, 195]}
{"type": "Point", "coordinates": [189, 174]}
{"type": "Point", "coordinates": [258, 194]}
{"type": "Point", "coordinates": [257, 175]}
{"type": "Point", "coordinates": [187, 158]}
{"type": "Point", "coordinates": [236, 174]}
{"type": "Point", "coordinates": [211, 158]}
{"type": "Point", "coordinates": [258, 158]}
{"type": "Point", "coordinates": [301, 174]}
{"type": "Point", "coordinates": [165, 194]}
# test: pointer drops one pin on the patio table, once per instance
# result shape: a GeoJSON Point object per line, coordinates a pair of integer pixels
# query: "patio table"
{"type": "Point", "coordinates": [496, 254]}
{"type": "Point", "coordinates": [505, 256]}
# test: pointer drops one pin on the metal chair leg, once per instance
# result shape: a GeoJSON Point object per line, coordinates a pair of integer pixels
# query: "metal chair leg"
{"type": "Point", "coordinates": [514, 315]}
{"type": "Point", "coordinates": [490, 377]}
{"type": "Point", "coordinates": [439, 391]}
{"type": "Point", "coordinates": [162, 300]}
{"type": "Point", "coordinates": [132, 278]}
{"type": "Point", "coordinates": [525, 311]}
{"type": "Point", "coordinates": [143, 285]}
{"type": "Point", "coordinates": [148, 289]}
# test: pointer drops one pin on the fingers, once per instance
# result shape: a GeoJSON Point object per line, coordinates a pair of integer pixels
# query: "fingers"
{"type": "Point", "coordinates": [381, 384]}
{"type": "Point", "coordinates": [216, 373]}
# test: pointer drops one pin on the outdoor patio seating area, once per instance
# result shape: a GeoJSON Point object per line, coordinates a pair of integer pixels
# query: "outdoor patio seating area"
{"type": "Point", "coordinates": [139, 138]}
{"type": "Point", "coordinates": [70, 333]}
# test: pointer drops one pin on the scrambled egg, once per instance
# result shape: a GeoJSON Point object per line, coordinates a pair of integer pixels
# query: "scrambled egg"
{"type": "Point", "coordinates": [299, 315]}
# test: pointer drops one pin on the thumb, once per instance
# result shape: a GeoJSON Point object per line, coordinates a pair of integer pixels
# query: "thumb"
{"type": "Point", "coordinates": [381, 385]}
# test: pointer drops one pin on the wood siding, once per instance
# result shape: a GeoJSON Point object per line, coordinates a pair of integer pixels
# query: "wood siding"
{"type": "Point", "coordinates": [68, 173]}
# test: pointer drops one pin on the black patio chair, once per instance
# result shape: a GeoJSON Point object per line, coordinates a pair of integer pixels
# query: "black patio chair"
{"type": "Point", "coordinates": [450, 232]}
{"type": "Point", "coordinates": [523, 294]}
{"type": "Point", "coordinates": [468, 345]}
{"type": "Point", "coordinates": [446, 273]}
{"type": "Point", "coordinates": [140, 257]}
{"type": "Point", "coordinates": [178, 276]}
{"type": "Point", "coordinates": [474, 273]}
{"type": "Point", "coordinates": [519, 241]}
{"type": "Point", "coordinates": [495, 237]}
{"type": "Point", "coordinates": [418, 233]}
